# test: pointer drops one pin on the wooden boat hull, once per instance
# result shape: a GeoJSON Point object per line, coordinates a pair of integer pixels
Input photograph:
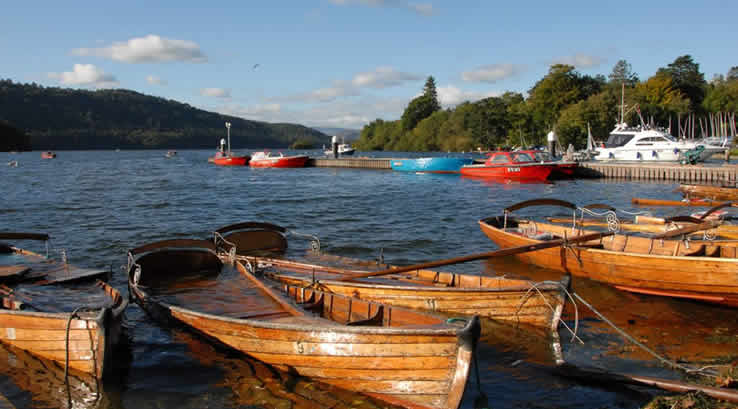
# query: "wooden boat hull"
{"type": "Point", "coordinates": [528, 171]}
{"type": "Point", "coordinates": [419, 364]}
{"type": "Point", "coordinates": [91, 336]}
{"type": "Point", "coordinates": [709, 192]}
{"type": "Point", "coordinates": [298, 161]}
{"type": "Point", "coordinates": [635, 264]}
{"type": "Point", "coordinates": [430, 165]}
{"type": "Point", "coordinates": [498, 298]}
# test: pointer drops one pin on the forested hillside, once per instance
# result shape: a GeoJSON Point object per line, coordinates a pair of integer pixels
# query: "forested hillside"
{"type": "Point", "coordinates": [564, 100]}
{"type": "Point", "coordinates": [62, 118]}
{"type": "Point", "coordinates": [12, 139]}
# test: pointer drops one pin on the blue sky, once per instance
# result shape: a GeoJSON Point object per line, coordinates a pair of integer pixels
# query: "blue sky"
{"type": "Point", "coordinates": [344, 63]}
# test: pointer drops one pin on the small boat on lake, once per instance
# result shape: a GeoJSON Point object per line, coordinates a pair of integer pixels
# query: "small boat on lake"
{"type": "Point", "coordinates": [430, 165]}
{"type": "Point", "coordinates": [171, 154]}
{"type": "Point", "coordinates": [344, 149]}
{"type": "Point", "coordinates": [401, 356]}
{"type": "Point", "coordinates": [265, 159]}
{"type": "Point", "coordinates": [503, 299]}
{"type": "Point", "coordinates": [76, 327]}
{"type": "Point", "coordinates": [509, 165]}
{"type": "Point", "coordinates": [709, 192]}
{"type": "Point", "coordinates": [48, 155]}
{"type": "Point", "coordinates": [224, 156]}
{"type": "Point", "coordinates": [664, 264]}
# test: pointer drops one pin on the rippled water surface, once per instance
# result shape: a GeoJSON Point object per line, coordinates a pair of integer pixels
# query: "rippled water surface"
{"type": "Point", "coordinates": [98, 204]}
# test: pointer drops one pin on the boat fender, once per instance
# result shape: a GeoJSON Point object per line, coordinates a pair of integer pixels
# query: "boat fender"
{"type": "Point", "coordinates": [611, 155]}
{"type": "Point", "coordinates": [653, 154]}
{"type": "Point", "coordinates": [638, 155]}
{"type": "Point", "coordinates": [676, 150]}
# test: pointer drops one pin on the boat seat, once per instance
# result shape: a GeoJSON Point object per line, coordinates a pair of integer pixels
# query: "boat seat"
{"type": "Point", "coordinates": [256, 314]}
{"type": "Point", "coordinates": [375, 320]}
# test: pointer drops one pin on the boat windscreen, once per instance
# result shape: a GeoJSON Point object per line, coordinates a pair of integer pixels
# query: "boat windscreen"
{"type": "Point", "coordinates": [618, 139]}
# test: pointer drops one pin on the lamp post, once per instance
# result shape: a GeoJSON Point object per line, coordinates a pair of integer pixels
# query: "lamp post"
{"type": "Point", "coordinates": [228, 127]}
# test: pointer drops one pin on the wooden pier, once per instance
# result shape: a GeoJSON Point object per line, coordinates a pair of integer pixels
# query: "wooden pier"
{"type": "Point", "coordinates": [365, 163]}
{"type": "Point", "coordinates": [661, 171]}
{"type": "Point", "coordinates": [726, 174]}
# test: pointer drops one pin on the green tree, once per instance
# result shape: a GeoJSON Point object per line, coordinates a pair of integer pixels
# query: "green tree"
{"type": "Point", "coordinates": [732, 74]}
{"type": "Point", "coordinates": [598, 111]}
{"type": "Point", "coordinates": [421, 107]}
{"type": "Point", "coordinates": [686, 77]}
{"type": "Point", "coordinates": [658, 98]}
{"type": "Point", "coordinates": [622, 73]}
{"type": "Point", "coordinates": [722, 97]}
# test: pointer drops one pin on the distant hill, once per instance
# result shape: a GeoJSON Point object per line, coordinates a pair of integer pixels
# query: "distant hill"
{"type": "Point", "coordinates": [63, 118]}
{"type": "Point", "coordinates": [348, 134]}
{"type": "Point", "coordinates": [12, 139]}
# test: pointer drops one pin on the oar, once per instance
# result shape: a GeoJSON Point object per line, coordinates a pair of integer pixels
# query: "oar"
{"type": "Point", "coordinates": [497, 253]}
{"type": "Point", "coordinates": [598, 375]}
{"type": "Point", "coordinates": [688, 229]}
{"type": "Point", "coordinates": [692, 203]}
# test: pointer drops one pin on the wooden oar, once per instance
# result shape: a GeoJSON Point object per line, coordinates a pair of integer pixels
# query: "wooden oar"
{"type": "Point", "coordinates": [268, 291]}
{"type": "Point", "coordinates": [687, 229]}
{"type": "Point", "coordinates": [497, 253]}
{"type": "Point", "coordinates": [690, 203]}
{"type": "Point", "coordinates": [597, 375]}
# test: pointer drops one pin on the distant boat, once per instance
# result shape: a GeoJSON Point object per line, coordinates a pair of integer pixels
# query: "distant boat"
{"type": "Point", "coordinates": [430, 165]}
{"type": "Point", "coordinates": [266, 160]}
{"type": "Point", "coordinates": [171, 154]}
{"type": "Point", "coordinates": [224, 156]}
{"type": "Point", "coordinates": [48, 155]}
{"type": "Point", "coordinates": [13, 163]}
{"type": "Point", "coordinates": [344, 149]}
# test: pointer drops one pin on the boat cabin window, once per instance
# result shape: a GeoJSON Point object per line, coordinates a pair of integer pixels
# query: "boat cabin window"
{"type": "Point", "coordinates": [499, 158]}
{"type": "Point", "coordinates": [618, 139]}
{"type": "Point", "coordinates": [521, 157]}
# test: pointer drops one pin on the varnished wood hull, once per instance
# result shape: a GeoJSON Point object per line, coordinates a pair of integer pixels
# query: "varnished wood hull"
{"type": "Point", "coordinates": [709, 192]}
{"type": "Point", "coordinates": [635, 264]}
{"type": "Point", "coordinates": [91, 336]}
{"type": "Point", "coordinates": [409, 358]}
{"type": "Point", "coordinates": [507, 300]}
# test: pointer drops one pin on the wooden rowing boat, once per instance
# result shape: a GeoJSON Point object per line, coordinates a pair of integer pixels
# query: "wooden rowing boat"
{"type": "Point", "coordinates": [661, 265]}
{"type": "Point", "coordinates": [650, 225]}
{"type": "Point", "coordinates": [677, 203]}
{"type": "Point", "coordinates": [709, 192]}
{"type": "Point", "coordinates": [398, 355]}
{"type": "Point", "coordinates": [499, 298]}
{"type": "Point", "coordinates": [75, 328]}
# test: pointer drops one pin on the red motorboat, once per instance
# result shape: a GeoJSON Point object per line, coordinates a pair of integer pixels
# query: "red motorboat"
{"type": "Point", "coordinates": [48, 155]}
{"type": "Point", "coordinates": [267, 160]}
{"type": "Point", "coordinates": [224, 157]}
{"type": "Point", "coordinates": [562, 169]}
{"type": "Point", "coordinates": [509, 165]}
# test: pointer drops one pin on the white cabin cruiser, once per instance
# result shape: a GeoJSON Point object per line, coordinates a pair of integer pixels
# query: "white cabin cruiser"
{"type": "Point", "coordinates": [650, 145]}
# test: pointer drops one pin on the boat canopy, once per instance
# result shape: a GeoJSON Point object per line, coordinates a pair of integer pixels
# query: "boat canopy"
{"type": "Point", "coordinates": [618, 139]}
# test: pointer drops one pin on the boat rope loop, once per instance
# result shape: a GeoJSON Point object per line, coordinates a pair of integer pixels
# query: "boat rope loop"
{"type": "Point", "coordinates": [534, 287]}
{"type": "Point", "coordinates": [670, 363]}
{"type": "Point", "coordinates": [314, 240]}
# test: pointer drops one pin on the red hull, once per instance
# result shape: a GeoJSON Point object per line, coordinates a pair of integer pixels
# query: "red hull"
{"type": "Point", "coordinates": [509, 171]}
{"type": "Point", "coordinates": [280, 162]}
{"type": "Point", "coordinates": [230, 160]}
{"type": "Point", "coordinates": [48, 155]}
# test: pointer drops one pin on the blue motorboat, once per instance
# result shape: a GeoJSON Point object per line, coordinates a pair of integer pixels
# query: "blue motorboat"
{"type": "Point", "coordinates": [430, 165]}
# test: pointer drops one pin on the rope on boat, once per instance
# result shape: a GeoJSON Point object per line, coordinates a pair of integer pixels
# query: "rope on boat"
{"type": "Point", "coordinates": [672, 364]}
{"type": "Point", "coordinates": [314, 240]}
{"type": "Point", "coordinates": [534, 286]}
{"type": "Point", "coordinates": [72, 316]}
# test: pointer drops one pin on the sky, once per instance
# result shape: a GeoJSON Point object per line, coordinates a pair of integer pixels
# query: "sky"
{"type": "Point", "coordinates": [345, 63]}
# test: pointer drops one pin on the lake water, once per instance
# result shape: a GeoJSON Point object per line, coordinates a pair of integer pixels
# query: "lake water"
{"type": "Point", "coordinates": [99, 204]}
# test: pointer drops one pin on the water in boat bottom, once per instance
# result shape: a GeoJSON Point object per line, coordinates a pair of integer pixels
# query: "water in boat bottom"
{"type": "Point", "coordinates": [97, 205]}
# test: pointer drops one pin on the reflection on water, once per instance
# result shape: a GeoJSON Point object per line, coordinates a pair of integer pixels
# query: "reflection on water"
{"type": "Point", "coordinates": [98, 205]}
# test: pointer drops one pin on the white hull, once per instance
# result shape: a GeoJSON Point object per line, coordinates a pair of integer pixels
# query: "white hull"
{"type": "Point", "coordinates": [650, 155]}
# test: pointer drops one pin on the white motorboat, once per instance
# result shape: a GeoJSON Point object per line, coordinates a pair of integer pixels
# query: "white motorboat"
{"type": "Point", "coordinates": [650, 145]}
{"type": "Point", "coordinates": [344, 149]}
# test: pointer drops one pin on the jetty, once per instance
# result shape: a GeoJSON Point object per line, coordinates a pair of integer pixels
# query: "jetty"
{"type": "Point", "coordinates": [706, 173]}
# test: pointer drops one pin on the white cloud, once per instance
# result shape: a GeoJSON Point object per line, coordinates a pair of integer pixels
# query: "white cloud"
{"type": "Point", "coordinates": [450, 95]}
{"type": "Point", "coordinates": [580, 60]}
{"type": "Point", "coordinates": [353, 114]}
{"type": "Point", "coordinates": [424, 9]}
{"type": "Point", "coordinates": [149, 49]}
{"type": "Point", "coordinates": [154, 80]}
{"type": "Point", "coordinates": [383, 77]}
{"type": "Point", "coordinates": [85, 75]}
{"type": "Point", "coordinates": [215, 92]}
{"type": "Point", "coordinates": [492, 73]}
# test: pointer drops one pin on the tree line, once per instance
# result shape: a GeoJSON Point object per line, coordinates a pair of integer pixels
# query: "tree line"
{"type": "Point", "coordinates": [63, 118]}
{"type": "Point", "coordinates": [563, 100]}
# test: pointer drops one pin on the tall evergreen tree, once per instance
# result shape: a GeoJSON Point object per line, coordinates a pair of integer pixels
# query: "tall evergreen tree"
{"type": "Point", "coordinates": [622, 73]}
{"type": "Point", "coordinates": [429, 90]}
{"type": "Point", "coordinates": [686, 77]}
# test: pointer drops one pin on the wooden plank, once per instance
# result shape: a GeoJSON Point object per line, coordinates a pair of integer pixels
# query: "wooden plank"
{"type": "Point", "coordinates": [12, 271]}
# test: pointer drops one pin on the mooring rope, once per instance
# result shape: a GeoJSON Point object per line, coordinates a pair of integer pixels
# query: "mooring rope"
{"type": "Point", "coordinates": [72, 316]}
{"type": "Point", "coordinates": [534, 286]}
{"type": "Point", "coordinates": [670, 363]}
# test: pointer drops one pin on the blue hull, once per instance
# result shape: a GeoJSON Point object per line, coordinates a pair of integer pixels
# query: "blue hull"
{"type": "Point", "coordinates": [430, 165]}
